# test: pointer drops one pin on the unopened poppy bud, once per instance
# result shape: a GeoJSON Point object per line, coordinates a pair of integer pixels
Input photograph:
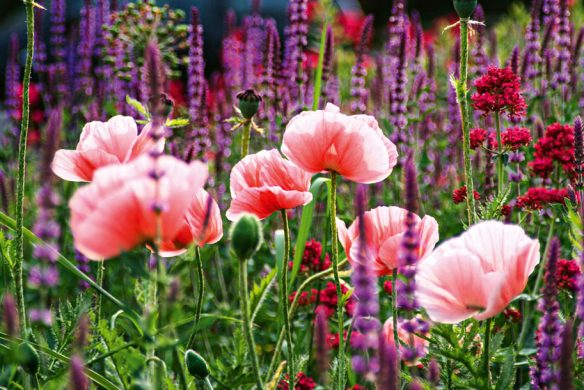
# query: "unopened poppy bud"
{"type": "Point", "coordinates": [465, 8]}
{"type": "Point", "coordinates": [196, 364]}
{"type": "Point", "coordinates": [249, 102]}
{"type": "Point", "coordinates": [246, 236]}
{"type": "Point", "coordinates": [28, 358]}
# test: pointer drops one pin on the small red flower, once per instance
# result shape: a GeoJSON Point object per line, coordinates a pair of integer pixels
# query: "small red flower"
{"type": "Point", "coordinates": [303, 382]}
{"type": "Point", "coordinates": [459, 195]}
{"type": "Point", "coordinates": [512, 314]}
{"type": "Point", "coordinates": [516, 137]}
{"type": "Point", "coordinates": [567, 274]}
{"type": "Point", "coordinates": [477, 137]}
{"type": "Point", "coordinates": [537, 198]}
{"type": "Point", "coordinates": [506, 210]}
{"type": "Point", "coordinates": [499, 91]}
{"type": "Point", "coordinates": [387, 287]}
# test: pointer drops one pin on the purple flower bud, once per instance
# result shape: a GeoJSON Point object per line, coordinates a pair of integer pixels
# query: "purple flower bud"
{"type": "Point", "coordinates": [78, 379]}
{"type": "Point", "coordinates": [320, 341]}
{"type": "Point", "coordinates": [566, 361]}
{"type": "Point", "coordinates": [10, 315]}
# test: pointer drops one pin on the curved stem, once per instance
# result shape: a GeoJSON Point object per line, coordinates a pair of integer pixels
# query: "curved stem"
{"type": "Point", "coordinates": [335, 261]}
{"type": "Point", "coordinates": [247, 327]}
{"type": "Point", "coordinates": [100, 276]}
{"type": "Point", "coordinates": [284, 300]}
{"type": "Point", "coordinates": [500, 168]}
{"type": "Point", "coordinates": [200, 296]}
{"type": "Point", "coordinates": [461, 92]}
{"type": "Point", "coordinates": [291, 311]}
{"type": "Point", "coordinates": [245, 138]}
{"type": "Point", "coordinates": [19, 259]}
{"type": "Point", "coordinates": [487, 360]}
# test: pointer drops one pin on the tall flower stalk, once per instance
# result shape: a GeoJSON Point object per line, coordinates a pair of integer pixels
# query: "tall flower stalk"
{"type": "Point", "coordinates": [465, 9]}
{"type": "Point", "coordinates": [19, 259]}
{"type": "Point", "coordinates": [284, 299]}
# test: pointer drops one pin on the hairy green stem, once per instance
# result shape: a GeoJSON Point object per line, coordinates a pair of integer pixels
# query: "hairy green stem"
{"type": "Point", "coordinates": [291, 311]}
{"type": "Point", "coordinates": [247, 326]}
{"type": "Point", "coordinates": [200, 296]}
{"type": "Point", "coordinates": [245, 134]}
{"type": "Point", "coordinates": [461, 92]}
{"type": "Point", "coordinates": [335, 261]}
{"type": "Point", "coordinates": [487, 361]}
{"type": "Point", "coordinates": [284, 301]}
{"type": "Point", "coordinates": [19, 244]}
{"type": "Point", "coordinates": [100, 276]}
{"type": "Point", "coordinates": [500, 168]}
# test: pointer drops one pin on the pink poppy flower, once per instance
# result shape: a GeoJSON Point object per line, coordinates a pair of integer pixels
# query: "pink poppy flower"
{"type": "Point", "coordinates": [385, 230]}
{"type": "Point", "coordinates": [476, 274]}
{"type": "Point", "coordinates": [353, 146]}
{"type": "Point", "coordinates": [420, 344]}
{"type": "Point", "coordinates": [264, 182]}
{"type": "Point", "coordinates": [117, 210]}
{"type": "Point", "coordinates": [202, 225]}
{"type": "Point", "coordinates": [103, 143]}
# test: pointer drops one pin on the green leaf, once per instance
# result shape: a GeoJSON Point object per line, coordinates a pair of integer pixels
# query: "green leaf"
{"type": "Point", "coordinates": [259, 292]}
{"type": "Point", "coordinates": [507, 374]}
{"type": "Point", "coordinates": [305, 224]}
{"type": "Point", "coordinates": [136, 105]}
{"type": "Point", "coordinates": [177, 122]}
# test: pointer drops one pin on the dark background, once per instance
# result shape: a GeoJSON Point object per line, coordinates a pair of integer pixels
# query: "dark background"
{"type": "Point", "coordinates": [12, 18]}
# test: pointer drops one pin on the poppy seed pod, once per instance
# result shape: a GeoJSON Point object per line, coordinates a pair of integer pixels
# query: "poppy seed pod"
{"type": "Point", "coordinates": [465, 8]}
{"type": "Point", "coordinates": [196, 365]}
{"type": "Point", "coordinates": [246, 236]}
{"type": "Point", "coordinates": [249, 102]}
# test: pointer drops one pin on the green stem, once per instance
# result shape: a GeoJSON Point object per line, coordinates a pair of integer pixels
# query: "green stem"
{"type": "Point", "coordinates": [291, 311]}
{"type": "Point", "coordinates": [335, 261]}
{"type": "Point", "coordinates": [100, 276]}
{"type": "Point", "coordinates": [284, 301]}
{"type": "Point", "coordinates": [247, 327]}
{"type": "Point", "coordinates": [19, 259]}
{"type": "Point", "coordinates": [394, 308]}
{"type": "Point", "coordinates": [500, 168]}
{"type": "Point", "coordinates": [200, 296]}
{"type": "Point", "coordinates": [245, 138]}
{"type": "Point", "coordinates": [208, 383]}
{"type": "Point", "coordinates": [487, 360]}
{"type": "Point", "coordinates": [461, 92]}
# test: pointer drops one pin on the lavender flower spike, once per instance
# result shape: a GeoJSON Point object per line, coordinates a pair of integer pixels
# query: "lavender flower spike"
{"type": "Point", "coordinates": [566, 363]}
{"type": "Point", "coordinates": [359, 93]}
{"type": "Point", "coordinates": [365, 362]}
{"type": "Point", "coordinates": [544, 374]}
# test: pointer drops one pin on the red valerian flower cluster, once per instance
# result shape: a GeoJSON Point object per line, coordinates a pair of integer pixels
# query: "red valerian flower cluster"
{"type": "Point", "coordinates": [567, 274]}
{"type": "Point", "coordinates": [499, 91]}
{"type": "Point", "coordinates": [516, 137]}
{"type": "Point", "coordinates": [327, 298]}
{"type": "Point", "coordinates": [537, 198]}
{"type": "Point", "coordinates": [303, 382]}
{"type": "Point", "coordinates": [557, 145]}
{"type": "Point", "coordinates": [459, 195]}
{"type": "Point", "coordinates": [478, 137]}
{"type": "Point", "coordinates": [506, 210]}
{"type": "Point", "coordinates": [312, 259]}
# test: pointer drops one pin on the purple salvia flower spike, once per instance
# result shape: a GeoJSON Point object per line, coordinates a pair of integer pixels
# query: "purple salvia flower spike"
{"type": "Point", "coordinates": [359, 92]}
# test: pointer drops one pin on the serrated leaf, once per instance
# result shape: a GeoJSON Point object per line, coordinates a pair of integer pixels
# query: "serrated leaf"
{"type": "Point", "coordinates": [259, 292]}
{"type": "Point", "coordinates": [177, 122]}
{"type": "Point", "coordinates": [507, 374]}
{"type": "Point", "coordinates": [136, 105]}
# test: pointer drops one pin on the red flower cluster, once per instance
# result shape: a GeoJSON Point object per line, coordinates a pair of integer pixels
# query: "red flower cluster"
{"type": "Point", "coordinates": [499, 91]}
{"type": "Point", "coordinates": [537, 198]}
{"type": "Point", "coordinates": [478, 137]}
{"type": "Point", "coordinates": [459, 195]}
{"type": "Point", "coordinates": [567, 274]}
{"type": "Point", "coordinates": [556, 145]}
{"type": "Point", "coordinates": [516, 137]}
{"type": "Point", "coordinates": [327, 298]}
{"type": "Point", "coordinates": [332, 339]}
{"type": "Point", "coordinates": [506, 210]}
{"type": "Point", "coordinates": [303, 382]}
{"type": "Point", "coordinates": [312, 258]}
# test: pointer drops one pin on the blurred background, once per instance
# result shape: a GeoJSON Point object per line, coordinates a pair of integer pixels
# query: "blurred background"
{"type": "Point", "coordinates": [213, 16]}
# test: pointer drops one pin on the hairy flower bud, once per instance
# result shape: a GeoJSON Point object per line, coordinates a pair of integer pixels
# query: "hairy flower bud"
{"type": "Point", "coordinates": [246, 236]}
{"type": "Point", "coordinates": [464, 8]}
{"type": "Point", "coordinates": [196, 364]}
